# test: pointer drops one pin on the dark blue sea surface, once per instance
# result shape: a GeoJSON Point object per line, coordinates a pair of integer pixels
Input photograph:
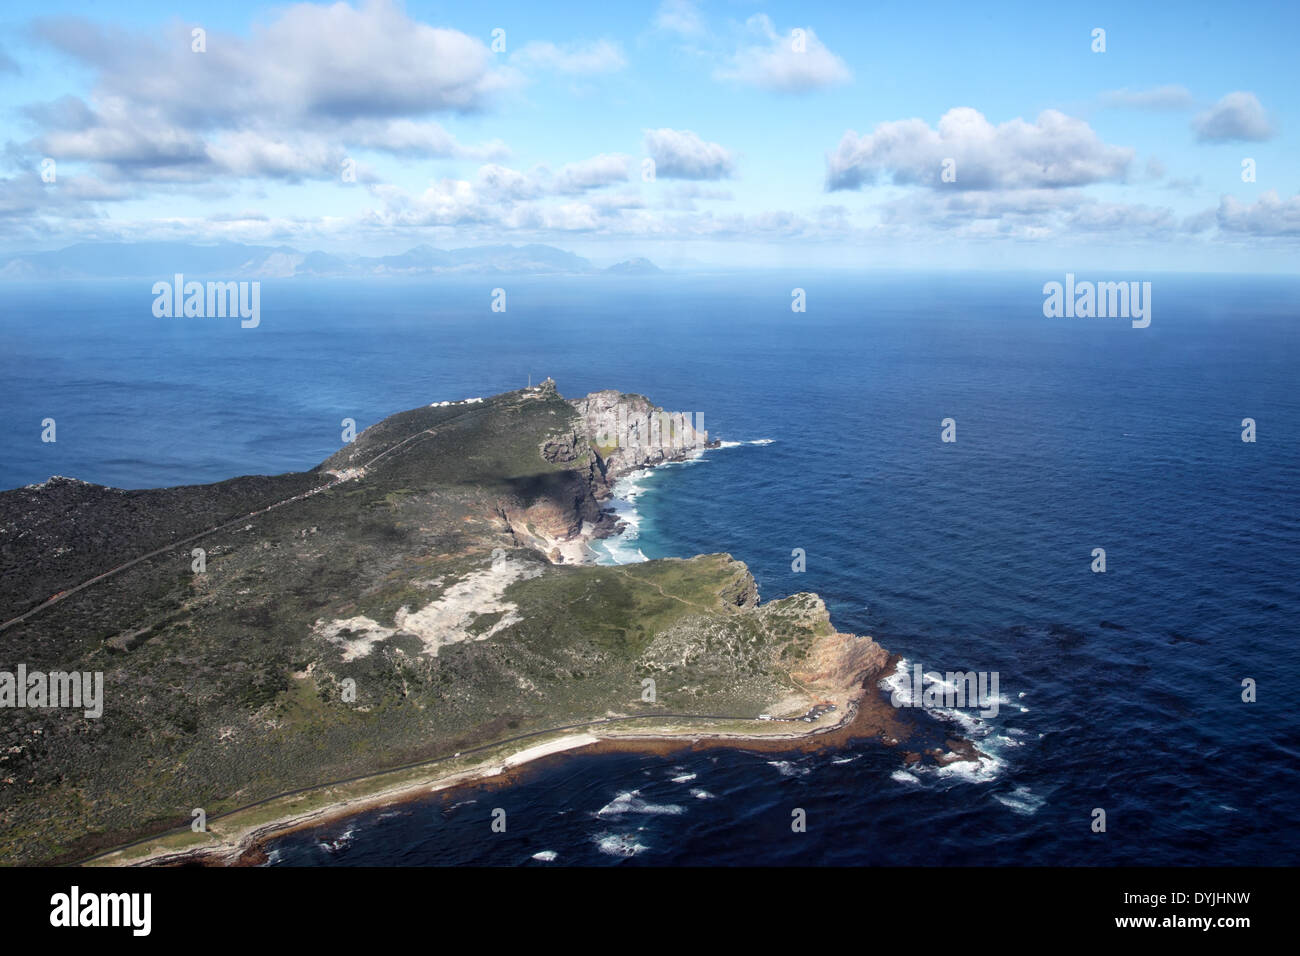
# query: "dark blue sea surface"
{"type": "Point", "coordinates": [1072, 434]}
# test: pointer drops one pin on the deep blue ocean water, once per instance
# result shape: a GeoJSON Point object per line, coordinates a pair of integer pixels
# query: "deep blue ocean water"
{"type": "Point", "coordinates": [1072, 434]}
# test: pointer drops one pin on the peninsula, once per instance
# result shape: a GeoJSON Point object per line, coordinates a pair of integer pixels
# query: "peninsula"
{"type": "Point", "coordinates": [418, 611]}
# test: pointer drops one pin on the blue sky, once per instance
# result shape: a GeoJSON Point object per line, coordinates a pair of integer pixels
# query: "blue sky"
{"type": "Point", "coordinates": [782, 133]}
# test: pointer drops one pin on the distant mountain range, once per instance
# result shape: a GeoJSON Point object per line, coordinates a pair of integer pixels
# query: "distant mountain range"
{"type": "Point", "coordinates": [635, 267]}
{"type": "Point", "coordinates": [230, 260]}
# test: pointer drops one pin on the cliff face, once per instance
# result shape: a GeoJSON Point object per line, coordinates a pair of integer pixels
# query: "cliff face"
{"type": "Point", "coordinates": [611, 434]}
{"type": "Point", "coordinates": [628, 432]}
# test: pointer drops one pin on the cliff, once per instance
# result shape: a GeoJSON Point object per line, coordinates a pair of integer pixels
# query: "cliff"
{"type": "Point", "coordinates": [627, 432]}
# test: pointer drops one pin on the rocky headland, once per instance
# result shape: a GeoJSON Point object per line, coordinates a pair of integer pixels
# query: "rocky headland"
{"type": "Point", "coordinates": [417, 611]}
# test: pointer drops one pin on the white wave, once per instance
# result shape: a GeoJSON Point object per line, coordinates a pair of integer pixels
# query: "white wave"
{"type": "Point", "coordinates": [629, 801]}
{"type": "Point", "coordinates": [345, 840]}
{"type": "Point", "coordinates": [619, 844]}
{"type": "Point", "coordinates": [971, 725]}
{"type": "Point", "coordinates": [633, 485]}
{"type": "Point", "coordinates": [611, 552]}
{"type": "Point", "coordinates": [1021, 800]}
{"type": "Point", "coordinates": [730, 444]}
{"type": "Point", "coordinates": [902, 776]}
{"type": "Point", "coordinates": [622, 548]}
{"type": "Point", "coordinates": [840, 760]}
{"type": "Point", "coordinates": [899, 683]}
{"type": "Point", "coordinates": [987, 767]}
{"type": "Point", "coordinates": [699, 794]}
{"type": "Point", "coordinates": [546, 856]}
{"type": "Point", "coordinates": [762, 441]}
{"type": "Point", "coordinates": [684, 778]}
{"type": "Point", "coordinates": [789, 769]}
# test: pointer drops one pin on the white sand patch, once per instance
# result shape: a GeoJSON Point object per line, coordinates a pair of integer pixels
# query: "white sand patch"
{"type": "Point", "coordinates": [443, 621]}
{"type": "Point", "coordinates": [572, 550]}
{"type": "Point", "coordinates": [548, 748]}
{"type": "Point", "coordinates": [363, 634]}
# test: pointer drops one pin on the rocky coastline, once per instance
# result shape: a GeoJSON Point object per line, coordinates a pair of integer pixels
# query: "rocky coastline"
{"type": "Point", "coordinates": [418, 612]}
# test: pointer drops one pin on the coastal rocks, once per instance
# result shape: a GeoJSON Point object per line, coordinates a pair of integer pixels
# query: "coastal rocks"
{"type": "Point", "coordinates": [557, 518]}
{"type": "Point", "coordinates": [612, 434]}
{"type": "Point", "coordinates": [837, 664]}
{"type": "Point", "coordinates": [413, 586]}
{"type": "Point", "coordinates": [627, 432]}
{"type": "Point", "coordinates": [741, 591]}
{"type": "Point", "coordinates": [842, 663]}
{"type": "Point", "coordinates": [547, 518]}
{"type": "Point", "coordinates": [562, 449]}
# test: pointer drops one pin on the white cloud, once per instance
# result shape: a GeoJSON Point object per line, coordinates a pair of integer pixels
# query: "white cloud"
{"type": "Point", "coordinates": [1038, 215]}
{"type": "Point", "coordinates": [685, 195]}
{"type": "Point", "coordinates": [511, 199]}
{"type": "Point", "coordinates": [449, 202]}
{"type": "Point", "coordinates": [603, 170]}
{"type": "Point", "coordinates": [501, 182]}
{"type": "Point", "coordinates": [1169, 97]}
{"type": "Point", "coordinates": [682, 154]}
{"type": "Point", "coordinates": [416, 137]}
{"type": "Point", "coordinates": [1052, 152]}
{"type": "Point", "coordinates": [1200, 222]}
{"type": "Point", "coordinates": [1238, 116]}
{"type": "Point", "coordinates": [137, 140]}
{"type": "Point", "coordinates": [1270, 215]}
{"type": "Point", "coordinates": [25, 196]}
{"type": "Point", "coordinates": [679, 16]}
{"type": "Point", "coordinates": [797, 62]}
{"type": "Point", "coordinates": [504, 183]}
{"type": "Point", "coordinates": [603, 56]}
{"type": "Point", "coordinates": [266, 105]}
{"type": "Point", "coordinates": [250, 154]}
{"type": "Point", "coordinates": [311, 62]}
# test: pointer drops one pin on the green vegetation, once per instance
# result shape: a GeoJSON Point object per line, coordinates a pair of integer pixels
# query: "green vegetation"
{"type": "Point", "coordinates": [220, 689]}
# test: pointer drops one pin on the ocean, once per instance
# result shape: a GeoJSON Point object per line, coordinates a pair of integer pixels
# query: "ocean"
{"type": "Point", "coordinates": [1119, 690]}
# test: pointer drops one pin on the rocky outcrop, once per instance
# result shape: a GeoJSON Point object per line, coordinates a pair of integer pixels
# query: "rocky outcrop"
{"type": "Point", "coordinates": [741, 591]}
{"type": "Point", "coordinates": [628, 432]}
{"type": "Point", "coordinates": [612, 434]}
